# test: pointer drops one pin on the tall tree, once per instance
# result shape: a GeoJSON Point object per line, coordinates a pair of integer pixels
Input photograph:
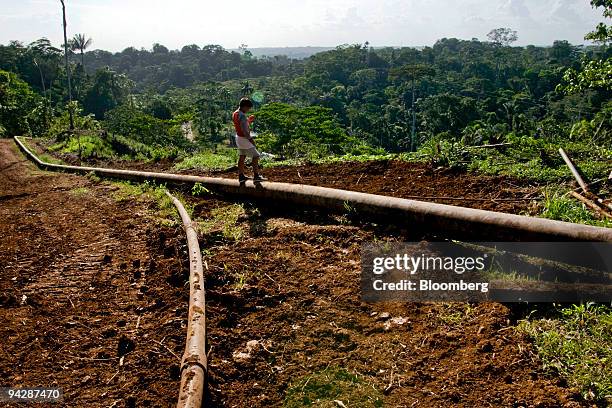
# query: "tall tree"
{"type": "Point", "coordinates": [412, 73]}
{"type": "Point", "coordinates": [595, 74]}
{"type": "Point", "coordinates": [108, 90]}
{"type": "Point", "coordinates": [67, 66]}
{"type": "Point", "coordinates": [80, 43]}
{"type": "Point", "coordinates": [603, 32]}
{"type": "Point", "coordinates": [502, 36]}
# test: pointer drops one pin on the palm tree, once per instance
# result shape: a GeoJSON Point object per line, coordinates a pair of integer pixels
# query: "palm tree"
{"type": "Point", "coordinates": [80, 43]}
{"type": "Point", "coordinates": [68, 70]}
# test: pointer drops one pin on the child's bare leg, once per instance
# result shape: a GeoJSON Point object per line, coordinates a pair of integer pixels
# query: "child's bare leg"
{"type": "Point", "coordinates": [241, 164]}
{"type": "Point", "coordinates": [255, 165]}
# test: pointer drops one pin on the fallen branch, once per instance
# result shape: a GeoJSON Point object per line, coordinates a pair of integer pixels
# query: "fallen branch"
{"type": "Point", "coordinates": [574, 171]}
{"type": "Point", "coordinates": [589, 203]}
{"type": "Point", "coordinates": [593, 183]}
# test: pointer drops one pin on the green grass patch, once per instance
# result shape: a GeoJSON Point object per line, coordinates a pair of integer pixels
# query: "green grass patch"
{"type": "Point", "coordinates": [561, 207]}
{"type": "Point", "coordinates": [165, 209]}
{"type": "Point", "coordinates": [347, 158]}
{"type": "Point", "coordinates": [47, 158]}
{"type": "Point", "coordinates": [224, 220]}
{"type": "Point", "coordinates": [514, 276]}
{"type": "Point", "coordinates": [208, 160]}
{"type": "Point", "coordinates": [89, 145]}
{"type": "Point", "coordinates": [576, 345]}
{"type": "Point", "coordinates": [539, 160]}
{"type": "Point", "coordinates": [42, 156]}
{"type": "Point", "coordinates": [79, 191]}
{"type": "Point", "coordinates": [225, 157]}
{"type": "Point", "coordinates": [332, 388]}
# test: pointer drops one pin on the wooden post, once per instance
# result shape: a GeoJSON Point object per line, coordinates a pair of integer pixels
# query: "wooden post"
{"type": "Point", "coordinates": [574, 171]}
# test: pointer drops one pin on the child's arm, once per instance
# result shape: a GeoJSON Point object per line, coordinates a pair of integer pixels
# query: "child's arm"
{"type": "Point", "coordinates": [245, 127]}
{"type": "Point", "coordinates": [246, 130]}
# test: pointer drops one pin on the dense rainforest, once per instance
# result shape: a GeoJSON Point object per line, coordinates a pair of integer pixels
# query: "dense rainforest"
{"type": "Point", "coordinates": [355, 99]}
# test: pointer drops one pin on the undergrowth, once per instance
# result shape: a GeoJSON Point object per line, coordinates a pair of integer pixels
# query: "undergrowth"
{"type": "Point", "coordinates": [575, 344]}
{"type": "Point", "coordinates": [92, 145]}
{"type": "Point", "coordinates": [562, 207]}
{"type": "Point", "coordinates": [332, 388]}
{"type": "Point", "coordinates": [209, 160]}
{"type": "Point", "coordinates": [165, 209]}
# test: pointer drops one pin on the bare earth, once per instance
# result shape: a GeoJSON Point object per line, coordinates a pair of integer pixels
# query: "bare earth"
{"type": "Point", "coordinates": [84, 300]}
{"type": "Point", "coordinates": [92, 299]}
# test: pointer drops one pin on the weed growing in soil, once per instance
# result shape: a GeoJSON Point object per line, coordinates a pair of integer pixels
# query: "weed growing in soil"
{"type": "Point", "coordinates": [563, 208]}
{"type": "Point", "coordinates": [224, 220]}
{"type": "Point", "coordinates": [333, 387]}
{"type": "Point", "coordinates": [199, 190]}
{"type": "Point", "coordinates": [80, 191]}
{"type": "Point", "coordinates": [576, 345]}
{"type": "Point", "coordinates": [454, 314]}
{"type": "Point", "coordinates": [166, 210]}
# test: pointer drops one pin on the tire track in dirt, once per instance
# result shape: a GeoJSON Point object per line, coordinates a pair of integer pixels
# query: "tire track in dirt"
{"type": "Point", "coordinates": [89, 295]}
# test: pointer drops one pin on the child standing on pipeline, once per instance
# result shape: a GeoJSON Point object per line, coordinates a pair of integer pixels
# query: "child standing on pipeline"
{"type": "Point", "coordinates": [245, 142]}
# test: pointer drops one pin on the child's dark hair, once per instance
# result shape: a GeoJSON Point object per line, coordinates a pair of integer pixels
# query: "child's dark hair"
{"type": "Point", "coordinates": [246, 103]}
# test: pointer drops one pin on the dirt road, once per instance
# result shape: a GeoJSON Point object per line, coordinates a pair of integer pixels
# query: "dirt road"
{"type": "Point", "coordinates": [85, 304]}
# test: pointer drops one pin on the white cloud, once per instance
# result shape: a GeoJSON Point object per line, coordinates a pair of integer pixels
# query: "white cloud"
{"type": "Point", "coordinates": [116, 24]}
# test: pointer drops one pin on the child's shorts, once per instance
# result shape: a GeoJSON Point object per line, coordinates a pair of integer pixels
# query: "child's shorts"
{"type": "Point", "coordinates": [251, 152]}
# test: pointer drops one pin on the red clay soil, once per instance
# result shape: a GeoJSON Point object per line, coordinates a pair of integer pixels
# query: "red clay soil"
{"type": "Point", "coordinates": [420, 181]}
{"type": "Point", "coordinates": [283, 311]}
{"type": "Point", "coordinates": [416, 181]}
{"type": "Point", "coordinates": [283, 306]}
{"type": "Point", "coordinates": [91, 290]}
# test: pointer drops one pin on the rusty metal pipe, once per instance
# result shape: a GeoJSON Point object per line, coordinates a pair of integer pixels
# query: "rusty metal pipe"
{"type": "Point", "coordinates": [194, 365]}
{"type": "Point", "coordinates": [445, 220]}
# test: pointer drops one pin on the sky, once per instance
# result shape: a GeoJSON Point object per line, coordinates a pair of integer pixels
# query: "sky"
{"type": "Point", "coordinates": [117, 24]}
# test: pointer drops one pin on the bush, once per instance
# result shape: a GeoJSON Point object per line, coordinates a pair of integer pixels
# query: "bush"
{"type": "Point", "coordinates": [144, 128]}
{"type": "Point", "coordinates": [576, 346]}
{"type": "Point", "coordinates": [303, 130]}
{"type": "Point", "coordinates": [60, 125]}
{"type": "Point", "coordinates": [21, 110]}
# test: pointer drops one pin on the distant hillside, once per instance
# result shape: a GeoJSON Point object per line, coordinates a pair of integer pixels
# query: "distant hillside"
{"type": "Point", "coordinates": [291, 52]}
